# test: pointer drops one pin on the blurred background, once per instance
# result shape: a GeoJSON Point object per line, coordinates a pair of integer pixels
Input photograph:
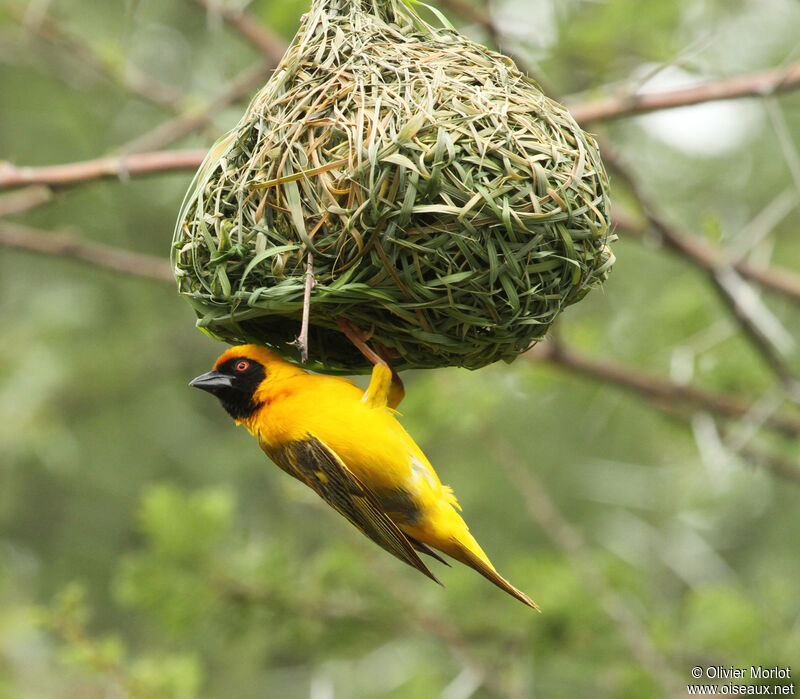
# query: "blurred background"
{"type": "Point", "coordinates": [638, 474]}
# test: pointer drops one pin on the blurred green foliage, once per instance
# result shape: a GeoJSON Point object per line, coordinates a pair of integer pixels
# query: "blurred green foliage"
{"type": "Point", "coordinates": [148, 549]}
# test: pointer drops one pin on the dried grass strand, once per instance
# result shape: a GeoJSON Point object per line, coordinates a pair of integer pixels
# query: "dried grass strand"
{"type": "Point", "coordinates": [447, 202]}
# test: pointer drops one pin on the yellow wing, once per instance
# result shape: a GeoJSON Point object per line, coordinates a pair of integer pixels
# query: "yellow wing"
{"type": "Point", "coordinates": [320, 468]}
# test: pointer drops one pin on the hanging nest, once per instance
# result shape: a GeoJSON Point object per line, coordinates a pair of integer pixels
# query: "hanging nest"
{"type": "Point", "coordinates": [446, 201]}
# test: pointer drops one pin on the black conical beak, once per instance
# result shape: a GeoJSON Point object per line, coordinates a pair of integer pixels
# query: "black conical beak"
{"type": "Point", "coordinates": [213, 382]}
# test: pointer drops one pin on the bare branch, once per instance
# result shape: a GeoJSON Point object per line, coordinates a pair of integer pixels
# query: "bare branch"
{"type": "Point", "coordinates": [757, 456]}
{"type": "Point", "coordinates": [759, 84]}
{"type": "Point", "coordinates": [773, 278]}
{"type": "Point", "coordinates": [749, 236]}
{"type": "Point", "coordinates": [250, 29]}
{"type": "Point", "coordinates": [23, 200]}
{"type": "Point", "coordinates": [714, 268]}
{"type": "Point", "coordinates": [173, 130]}
{"type": "Point", "coordinates": [128, 77]}
{"type": "Point", "coordinates": [703, 254]}
{"type": "Point", "coordinates": [482, 16]}
{"type": "Point", "coordinates": [773, 348]}
{"type": "Point", "coordinates": [763, 83]}
{"type": "Point", "coordinates": [105, 256]}
{"type": "Point", "coordinates": [122, 167]}
{"type": "Point", "coordinates": [785, 140]}
{"type": "Point", "coordinates": [658, 390]}
{"type": "Point", "coordinates": [778, 465]}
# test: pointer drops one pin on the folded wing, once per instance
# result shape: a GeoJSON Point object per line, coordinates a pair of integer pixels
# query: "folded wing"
{"type": "Point", "coordinates": [320, 468]}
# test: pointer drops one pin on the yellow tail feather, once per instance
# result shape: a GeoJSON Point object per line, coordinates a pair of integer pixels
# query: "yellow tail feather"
{"type": "Point", "coordinates": [477, 560]}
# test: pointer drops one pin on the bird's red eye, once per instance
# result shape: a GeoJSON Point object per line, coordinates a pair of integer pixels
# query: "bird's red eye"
{"type": "Point", "coordinates": [243, 365]}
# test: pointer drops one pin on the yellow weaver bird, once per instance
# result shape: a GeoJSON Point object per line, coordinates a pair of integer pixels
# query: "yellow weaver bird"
{"type": "Point", "coordinates": [347, 446]}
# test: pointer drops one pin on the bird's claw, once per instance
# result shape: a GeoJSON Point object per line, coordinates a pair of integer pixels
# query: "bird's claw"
{"type": "Point", "coordinates": [353, 332]}
{"type": "Point", "coordinates": [360, 338]}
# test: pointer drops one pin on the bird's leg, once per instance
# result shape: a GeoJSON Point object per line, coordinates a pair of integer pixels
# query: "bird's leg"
{"type": "Point", "coordinates": [385, 386]}
{"type": "Point", "coordinates": [359, 338]}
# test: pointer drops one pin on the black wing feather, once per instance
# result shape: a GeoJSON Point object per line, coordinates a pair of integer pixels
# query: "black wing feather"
{"type": "Point", "coordinates": [424, 548]}
{"type": "Point", "coordinates": [320, 468]}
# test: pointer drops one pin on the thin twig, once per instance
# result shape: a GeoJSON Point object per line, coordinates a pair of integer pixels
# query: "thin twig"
{"type": "Point", "coordinates": [757, 456]}
{"type": "Point", "coordinates": [659, 390]}
{"type": "Point", "coordinates": [762, 224]}
{"type": "Point", "coordinates": [758, 84]}
{"type": "Point", "coordinates": [715, 271]}
{"type": "Point", "coordinates": [182, 125]}
{"type": "Point", "coordinates": [22, 200]}
{"type": "Point", "coordinates": [249, 28]}
{"type": "Point", "coordinates": [302, 339]}
{"type": "Point", "coordinates": [777, 464]}
{"type": "Point", "coordinates": [773, 350]}
{"type": "Point", "coordinates": [128, 77]}
{"type": "Point", "coordinates": [134, 264]}
{"type": "Point", "coordinates": [703, 254]}
{"type": "Point", "coordinates": [123, 166]}
{"type": "Point", "coordinates": [785, 141]}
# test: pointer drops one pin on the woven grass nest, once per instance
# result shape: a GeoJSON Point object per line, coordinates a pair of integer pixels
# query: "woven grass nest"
{"type": "Point", "coordinates": [446, 201]}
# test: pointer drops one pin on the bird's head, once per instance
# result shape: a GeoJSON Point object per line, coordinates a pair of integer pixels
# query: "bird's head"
{"type": "Point", "coordinates": [241, 378]}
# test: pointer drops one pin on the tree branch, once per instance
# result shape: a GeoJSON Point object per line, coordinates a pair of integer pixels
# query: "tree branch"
{"type": "Point", "coordinates": [22, 200]}
{"type": "Point", "coordinates": [657, 390]}
{"type": "Point", "coordinates": [710, 258]}
{"type": "Point", "coordinates": [104, 256]}
{"type": "Point", "coordinates": [182, 125]}
{"type": "Point", "coordinates": [771, 461]}
{"type": "Point", "coordinates": [759, 84]}
{"type": "Point", "coordinates": [128, 77]}
{"type": "Point", "coordinates": [778, 465]}
{"type": "Point", "coordinates": [482, 16]}
{"type": "Point", "coordinates": [249, 28]}
{"type": "Point", "coordinates": [715, 271]}
{"type": "Point", "coordinates": [121, 167]}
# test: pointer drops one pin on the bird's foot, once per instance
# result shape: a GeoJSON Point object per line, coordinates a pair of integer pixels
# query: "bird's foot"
{"type": "Point", "coordinates": [360, 338]}
{"type": "Point", "coordinates": [379, 357]}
